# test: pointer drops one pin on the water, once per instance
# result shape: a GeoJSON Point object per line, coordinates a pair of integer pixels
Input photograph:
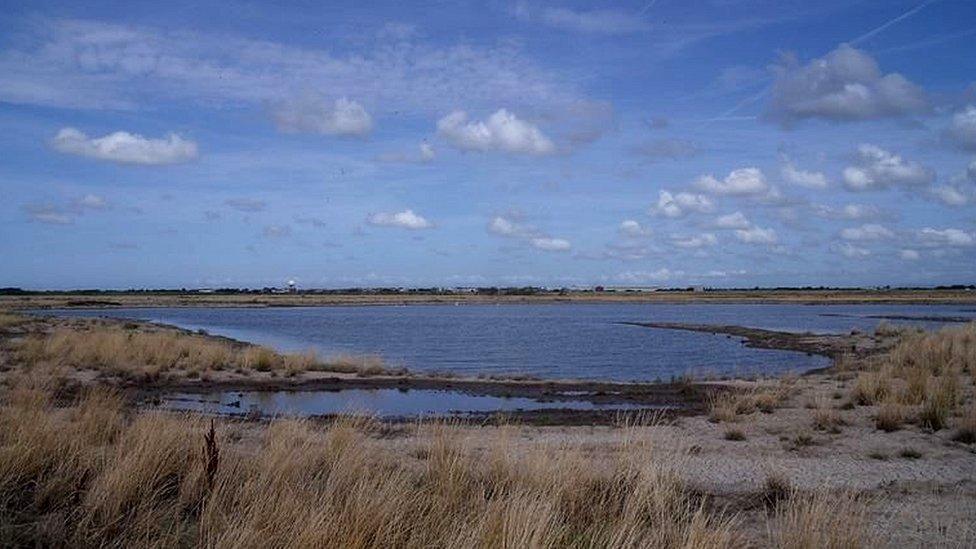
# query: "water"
{"type": "Point", "coordinates": [381, 402]}
{"type": "Point", "coordinates": [552, 341]}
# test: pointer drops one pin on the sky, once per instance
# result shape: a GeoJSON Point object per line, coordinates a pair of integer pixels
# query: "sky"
{"type": "Point", "coordinates": [725, 143]}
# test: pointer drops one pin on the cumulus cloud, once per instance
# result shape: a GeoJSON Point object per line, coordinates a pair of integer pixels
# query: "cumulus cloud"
{"type": "Point", "coordinates": [503, 131]}
{"type": "Point", "coordinates": [803, 178]}
{"type": "Point", "coordinates": [633, 229]}
{"type": "Point", "coordinates": [681, 204]}
{"type": "Point", "coordinates": [951, 195]}
{"type": "Point", "coordinates": [246, 204]}
{"type": "Point", "coordinates": [694, 241]}
{"type": "Point", "coordinates": [126, 148]}
{"type": "Point", "coordinates": [735, 220]}
{"type": "Point", "coordinates": [846, 84]}
{"type": "Point", "coordinates": [510, 227]}
{"type": "Point", "coordinates": [850, 212]}
{"type": "Point", "coordinates": [946, 237]}
{"type": "Point", "coordinates": [851, 251]}
{"type": "Point", "coordinates": [756, 235]}
{"type": "Point", "coordinates": [876, 168]}
{"type": "Point", "coordinates": [962, 128]}
{"type": "Point", "coordinates": [315, 115]}
{"type": "Point", "coordinates": [550, 244]}
{"type": "Point", "coordinates": [909, 255]}
{"type": "Point", "coordinates": [406, 219]}
{"type": "Point", "coordinates": [868, 231]}
{"type": "Point", "coordinates": [740, 182]}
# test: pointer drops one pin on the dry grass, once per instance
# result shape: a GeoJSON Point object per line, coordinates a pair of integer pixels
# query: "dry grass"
{"type": "Point", "coordinates": [150, 355]}
{"type": "Point", "coordinates": [9, 320]}
{"type": "Point", "coordinates": [727, 406]}
{"type": "Point", "coordinates": [966, 426]}
{"type": "Point", "coordinates": [88, 475]}
{"type": "Point", "coordinates": [825, 416]}
{"type": "Point", "coordinates": [891, 415]}
{"type": "Point", "coordinates": [821, 520]}
{"type": "Point", "coordinates": [921, 376]}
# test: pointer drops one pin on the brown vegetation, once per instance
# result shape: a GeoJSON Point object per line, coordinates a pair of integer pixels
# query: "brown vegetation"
{"type": "Point", "coordinates": [149, 355]}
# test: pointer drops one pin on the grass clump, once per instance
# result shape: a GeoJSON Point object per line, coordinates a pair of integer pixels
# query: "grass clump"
{"type": "Point", "coordinates": [909, 453]}
{"type": "Point", "coordinates": [820, 519]}
{"type": "Point", "coordinates": [891, 416]}
{"type": "Point", "coordinates": [966, 426]}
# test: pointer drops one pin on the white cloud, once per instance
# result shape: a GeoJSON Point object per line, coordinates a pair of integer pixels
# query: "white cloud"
{"type": "Point", "coordinates": [950, 195]}
{"type": "Point", "coordinates": [868, 231]}
{"type": "Point", "coordinates": [909, 255]}
{"type": "Point", "coordinates": [427, 152]}
{"type": "Point", "coordinates": [125, 147]}
{"type": "Point", "coordinates": [946, 237]}
{"type": "Point", "coordinates": [342, 117]}
{"type": "Point", "coordinates": [971, 171]}
{"type": "Point", "coordinates": [795, 176]}
{"type": "Point", "coordinates": [91, 64]}
{"type": "Point", "coordinates": [962, 128]}
{"type": "Point", "coordinates": [694, 241]}
{"type": "Point", "coordinates": [633, 229]}
{"type": "Point", "coordinates": [877, 168]}
{"type": "Point", "coordinates": [550, 244]}
{"type": "Point", "coordinates": [735, 220]}
{"type": "Point", "coordinates": [740, 182]}
{"type": "Point", "coordinates": [851, 251]}
{"type": "Point", "coordinates": [91, 202]}
{"type": "Point", "coordinates": [246, 204]}
{"type": "Point", "coordinates": [503, 131]}
{"type": "Point", "coordinates": [603, 21]}
{"type": "Point", "coordinates": [850, 212]}
{"type": "Point", "coordinates": [406, 219]}
{"type": "Point", "coordinates": [756, 235]}
{"type": "Point", "coordinates": [844, 85]}
{"type": "Point", "coordinates": [512, 228]}
{"type": "Point", "coordinates": [681, 204]}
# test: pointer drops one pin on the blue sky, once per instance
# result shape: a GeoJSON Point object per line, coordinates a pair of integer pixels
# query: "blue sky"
{"type": "Point", "coordinates": [725, 143]}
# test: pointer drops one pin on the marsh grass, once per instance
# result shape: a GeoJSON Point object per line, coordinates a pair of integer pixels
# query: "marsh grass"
{"type": "Point", "coordinates": [150, 355]}
{"type": "Point", "coordinates": [145, 480]}
{"type": "Point", "coordinates": [820, 519]}
{"type": "Point", "coordinates": [9, 320]}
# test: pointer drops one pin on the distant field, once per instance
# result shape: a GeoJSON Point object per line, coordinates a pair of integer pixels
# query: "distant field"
{"type": "Point", "coordinates": [306, 300]}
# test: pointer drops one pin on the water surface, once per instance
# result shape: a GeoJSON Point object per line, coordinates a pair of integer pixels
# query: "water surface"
{"type": "Point", "coordinates": [547, 340]}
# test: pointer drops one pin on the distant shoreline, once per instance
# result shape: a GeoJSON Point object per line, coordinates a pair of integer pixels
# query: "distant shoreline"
{"type": "Point", "coordinates": [805, 297]}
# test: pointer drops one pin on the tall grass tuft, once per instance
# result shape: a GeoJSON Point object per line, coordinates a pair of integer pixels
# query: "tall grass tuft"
{"type": "Point", "coordinates": [820, 520]}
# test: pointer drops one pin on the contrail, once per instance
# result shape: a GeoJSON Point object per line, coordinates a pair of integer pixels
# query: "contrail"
{"type": "Point", "coordinates": [908, 13]}
{"type": "Point", "coordinates": [647, 7]}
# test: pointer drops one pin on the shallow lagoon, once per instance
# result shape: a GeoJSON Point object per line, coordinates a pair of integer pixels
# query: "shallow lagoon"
{"type": "Point", "coordinates": [550, 341]}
